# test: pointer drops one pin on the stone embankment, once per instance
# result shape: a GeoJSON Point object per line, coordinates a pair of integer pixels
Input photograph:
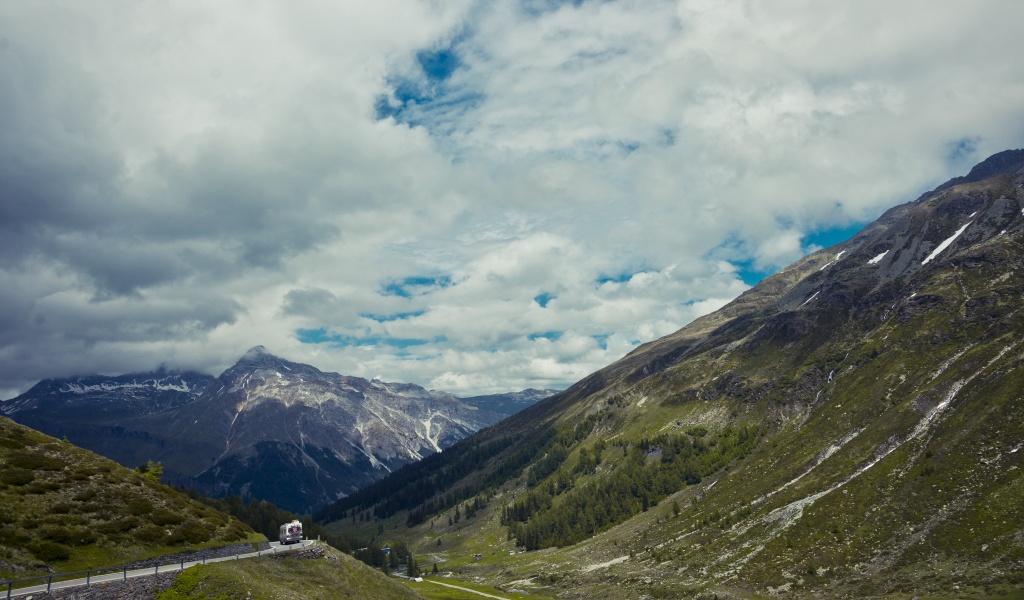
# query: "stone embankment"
{"type": "Point", "coordinates": [137, 588]}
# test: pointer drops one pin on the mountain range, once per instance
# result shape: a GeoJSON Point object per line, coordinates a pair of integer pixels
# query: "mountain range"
{"type": "Point", "coordinates": [850, 426]}
{"type": "Point", "coordinates": [267, 428]}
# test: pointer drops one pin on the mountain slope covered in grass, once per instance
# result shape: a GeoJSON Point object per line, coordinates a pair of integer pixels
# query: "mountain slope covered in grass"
{"type": "Point", "coordinates": [852, 425]}
{"type": "Point", "coordinates": [333, 576]}
{"type": "Point", "coordinates": [66, 509]}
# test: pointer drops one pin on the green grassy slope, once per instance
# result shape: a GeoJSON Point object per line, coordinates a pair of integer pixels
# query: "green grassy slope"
{"type": "Point", "coordinates": [846, 427]}
{"type": "Point", "coordinates": [335, 576]}
{"type": "Point", "coordinates": [67, 509]}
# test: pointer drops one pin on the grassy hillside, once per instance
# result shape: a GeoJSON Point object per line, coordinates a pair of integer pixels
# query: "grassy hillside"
{"type": "Point", "coordinates": [336, 576]}
{"type": "Point", "coordinates": [851, 426]}
{"type": "Point", "coordinates": [66, 509]}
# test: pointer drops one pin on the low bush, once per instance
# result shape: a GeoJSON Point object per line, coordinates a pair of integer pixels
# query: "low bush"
{"type": "Point", "coordinates": [47, 551]}
{"type": "Point", "coordinates": [150, 534]}
{"type": "Point", "coordinates": [163, 516]}
{"type": "Point", "coordinates": [140, 506]}
{"type": "Point", "coordinates": [84, 495]}
{"type": "Point", "coordinates": [195, 532]}
{"type": "Point", "coordinates": [42, 487]}
{"type": "Point", "coordinates": [118, 526]}
{"type": "Point", "coordinates": [17, 476]}
{"type": "Point", "coordinates": [34, 461]}
{"type": "Point", "coordinates": [11, 537]}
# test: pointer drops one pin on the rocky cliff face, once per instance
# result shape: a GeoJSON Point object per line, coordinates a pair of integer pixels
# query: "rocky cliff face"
{"type": "Point", "coordinates": [510, 403]}
{"type": "Point", "coordinates": [267, 427]}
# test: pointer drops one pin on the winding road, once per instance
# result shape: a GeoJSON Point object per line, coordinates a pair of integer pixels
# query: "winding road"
{"type": "Point", "coordinates": [275, 548]}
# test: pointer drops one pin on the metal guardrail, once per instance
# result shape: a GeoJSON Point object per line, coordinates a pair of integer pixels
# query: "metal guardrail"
{"type": "Point", "coordinates": [67, 580]}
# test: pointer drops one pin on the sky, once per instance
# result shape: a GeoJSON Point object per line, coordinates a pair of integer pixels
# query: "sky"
{"type": "Point", "coordinates": [476, 197]}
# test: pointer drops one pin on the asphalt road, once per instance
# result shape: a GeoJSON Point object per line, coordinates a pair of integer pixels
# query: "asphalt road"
{"type": "Point", "coordinates": [275, 548]}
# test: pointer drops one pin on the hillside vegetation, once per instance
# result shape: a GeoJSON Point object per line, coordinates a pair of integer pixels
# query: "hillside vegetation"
{"type": "Point", "coordinates": [335, 576]}
{"type": "Point", "coordinates": [66, 509]}
{"type": "Point", "coordinates": [852, 425]}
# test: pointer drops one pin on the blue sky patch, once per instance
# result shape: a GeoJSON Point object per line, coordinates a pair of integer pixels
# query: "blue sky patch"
{"type": "Point", "coordinates": [313, 336]}
{"type": "Point", "coordinates": [602, 340]}
{"type": "Point", "coordinates": [963, 149]}
{"type": "Point", "coordinates": [547, 335]}
{"type": "Point", "coordinates": [438, 65]}
{"type": "Point", "coordinates": [543, 298]}
{"type": "Point", "coordinates": [321, 335]}
{"type": "Point", "coordinates": [401, 316]}
{"type": "Point", "coordinates": [537, 8]}
{"type": "Point", "coordinates": [831, 237]}
{"type": "Point", "coordinates": [617, 278]}
{"type": "Point", "coordinates": [406, 288]}
{"type": "Point", "coordinates": [749, 274]}
{"type": "Point", "coordinates": [429, 100]}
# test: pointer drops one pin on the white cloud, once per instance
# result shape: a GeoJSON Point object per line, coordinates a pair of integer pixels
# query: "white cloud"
{"type": "Point", "coordinates": [186, 180]}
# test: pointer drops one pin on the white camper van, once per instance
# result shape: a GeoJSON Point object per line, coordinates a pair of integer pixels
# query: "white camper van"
{"type": "Point", "coordinates": [291, 533]}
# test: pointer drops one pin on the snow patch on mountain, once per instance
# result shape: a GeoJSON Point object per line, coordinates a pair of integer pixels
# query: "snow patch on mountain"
{"type": "Point", "coordinates": [945, 244]}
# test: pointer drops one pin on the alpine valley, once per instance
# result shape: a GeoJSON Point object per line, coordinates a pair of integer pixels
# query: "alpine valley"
{"type": "Point", "coordinates": [266, 428]}
{"type": "Point", "coordinates": [852, 426]}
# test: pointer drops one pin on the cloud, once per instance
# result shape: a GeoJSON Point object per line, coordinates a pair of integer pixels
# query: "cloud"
{"type": "Point", "coordinates": [472, 196]}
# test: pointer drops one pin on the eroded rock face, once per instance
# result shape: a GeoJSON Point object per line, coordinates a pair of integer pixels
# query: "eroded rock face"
{"type": "Point", "coordinates": [139, 588]}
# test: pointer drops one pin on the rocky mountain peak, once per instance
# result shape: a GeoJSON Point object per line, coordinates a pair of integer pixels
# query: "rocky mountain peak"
{"type": "Point", "coordinates": [257, 356]}
{"type": "Point", "coordinates": [1007, 161]}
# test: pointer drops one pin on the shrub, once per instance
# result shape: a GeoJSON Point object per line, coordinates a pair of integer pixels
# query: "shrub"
{"type": "Point", "coordinates": [12, 537]}
{"type": "Point", "coordinates": [140, 506]}
{"type": "Point", "coordinates": [71, 536]}
{"type": "Point", "coordinates": [17, 476]}
{"type": "Point", "coordinates": [84, 495]}
{"type": "Point", "coordinates": [150, 534]}
{"type": "Point", "coordinates": [234, 531]}
{"type": "Point", "coordinates": [163, 516]}
{"type": "Point", "coordinates": [118, 526]}
{"type": "Point", "coordinates": [42, 487]}
{"type": "Point", "coordinates": [195, 532]}
{"type": "Point", "coordinates": [16, 444]}
{"type": "Point", "coordinates": [34, 461]}
{"type": "Point", "coordinates": [49, 551]}
{"type": "Point", "coordinates": [57, 534]}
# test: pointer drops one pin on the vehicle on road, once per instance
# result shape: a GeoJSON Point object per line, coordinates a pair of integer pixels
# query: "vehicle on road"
{"type": "Point", "coordinates": [291, 533]}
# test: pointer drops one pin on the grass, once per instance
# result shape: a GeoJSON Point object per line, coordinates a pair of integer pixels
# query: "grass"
{"type": "Point", "coordinates": [336, 576]}
{"type": "Point", "coordinates": [66, 509]}
{"type": "Point", "coordinates": [429, 589]}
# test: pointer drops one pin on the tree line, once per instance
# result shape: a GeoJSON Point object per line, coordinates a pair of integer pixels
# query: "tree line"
{"type": "Point", "coordinates": [556, 512]}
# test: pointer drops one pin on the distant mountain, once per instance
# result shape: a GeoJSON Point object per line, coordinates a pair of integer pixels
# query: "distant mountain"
{"type": "Point", "coordinates": [273, 429]}
{"type": "Point", "coordinates": [510, 403]}
{"type": "Point", "coordinates": [852, 426]}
